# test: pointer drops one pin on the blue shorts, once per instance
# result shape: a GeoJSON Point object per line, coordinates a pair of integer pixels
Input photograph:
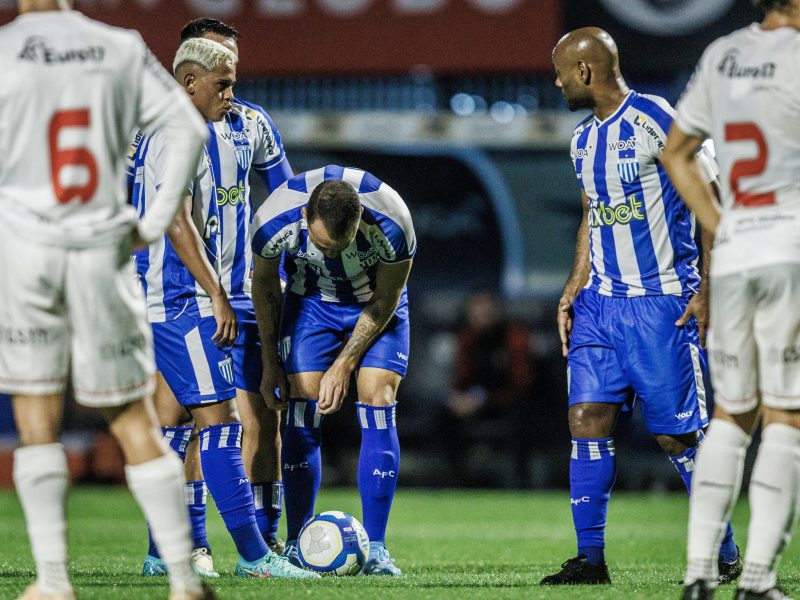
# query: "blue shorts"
{"type": "Point", "coordinates": [196, 370]}
{"type": "Point", "coordinates": [623, 349]}
{"type": "Point", "coordinates": [246, 350]}
{"type": "Point", "coordinates": [313, 333]}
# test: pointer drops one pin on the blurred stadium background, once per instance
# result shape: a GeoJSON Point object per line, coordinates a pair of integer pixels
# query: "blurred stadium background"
{"type": "Point", "coordinates": [452, 102]}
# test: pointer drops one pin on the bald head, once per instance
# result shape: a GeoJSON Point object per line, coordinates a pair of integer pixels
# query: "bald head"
{"type": "Point", "coordinates": [591, 45]}
{"type": "Point", "coordinates": [587, 66]}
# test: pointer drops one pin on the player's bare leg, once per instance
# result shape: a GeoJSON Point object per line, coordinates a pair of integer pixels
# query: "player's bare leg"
{"type": "Point", "coordinates": [261, 451]}
{"type": "Point", "coordinates": [379, 461]}
{"type": "Point", "coordinates": [41, 477]}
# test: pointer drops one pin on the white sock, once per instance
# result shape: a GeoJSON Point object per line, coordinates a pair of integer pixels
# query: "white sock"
{"type": "Point", "coordinates": [715, 489]}
{"type": "Point", "coordinates": [40, 475]}
{"type": "Point", "coordinates": [774, 499]}
{"type": "Point", "coordinates": [157, 486]}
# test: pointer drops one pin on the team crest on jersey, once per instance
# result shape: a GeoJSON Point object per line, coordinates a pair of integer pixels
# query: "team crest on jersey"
{"type": "Point", "coordinates": [226, 369]}
{"type": "Point", "coordinates": [628, 169]}
{"type": "Point", "coordinates": [244, 156]}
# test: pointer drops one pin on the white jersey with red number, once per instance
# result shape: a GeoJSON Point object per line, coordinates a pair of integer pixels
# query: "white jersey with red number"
{"type": "Point", "coordinates": [745, 94]}
{"type": "Point", "coordinates": [74, 90]}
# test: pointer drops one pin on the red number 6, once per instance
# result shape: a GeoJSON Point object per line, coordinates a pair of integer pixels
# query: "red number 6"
{"type": "Point", "coordinates": [71, 157]}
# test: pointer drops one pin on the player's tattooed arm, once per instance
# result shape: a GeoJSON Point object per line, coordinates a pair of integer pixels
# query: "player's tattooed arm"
{"type": "Point", "coordinates": [389, 284]}
{"type": "Point", "coordinates": [267, 301]}
{"type": "Point", "coordinates": [578, 277]}
{"type": "Point", "coordinates": [188, 245]}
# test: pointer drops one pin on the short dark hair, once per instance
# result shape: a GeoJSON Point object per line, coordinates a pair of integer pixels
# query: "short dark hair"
{"type": "Point", "coordinates": [199, 27]}
{"type": "Point", "coordinates": [768, 5]}
{"type": "Point", "coordinates": [336, 203]}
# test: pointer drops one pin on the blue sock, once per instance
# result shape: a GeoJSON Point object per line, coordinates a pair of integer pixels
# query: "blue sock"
{"type": "Point", "coordinates": [268, 499]}
{"type": "Point", "coordinates": [221, 459]}
{"type": "Point", "coordinates": [194, 493]}
{"type": "Point", "coordinates": [178, 439]}
{"type": "Point", "coordinates": [302, 463]}
{"type": "Point", "coordinates": [378, 466]}
{"type": "Point", "coordinates": [592, 471]}
{"type": "Point", "coordinates": [684, 462]}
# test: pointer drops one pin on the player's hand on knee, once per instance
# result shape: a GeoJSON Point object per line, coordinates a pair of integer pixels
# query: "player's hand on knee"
{"type": "Point", "coordinates": [564, 320]}
{"type": "Point", "coordinates": [332, 389]}
{"type": "Point", "coordinates": [227, 324]}
{"type": "Point", "coordinates": [697, 308]}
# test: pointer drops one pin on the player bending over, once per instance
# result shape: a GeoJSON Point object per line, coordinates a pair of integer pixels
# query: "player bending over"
{"type": "Point", "coordinates": [349, 243]}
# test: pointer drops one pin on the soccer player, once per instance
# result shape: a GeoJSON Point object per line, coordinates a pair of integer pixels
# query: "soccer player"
{"type": "Point", "coordinates": [193, 323]}
{"type": "Point", "coordinates": [249, 163]}
{"type": "Point", "coordinates": [349, 243]}
{"type": "Point", "coordinates": [744, 95]}
{"type": "Point", "coordinates": [244, 147]}
{"type": "Point", "coordinates": [69, 304]}
{"type": "Point", "coordinates": [632, 315]}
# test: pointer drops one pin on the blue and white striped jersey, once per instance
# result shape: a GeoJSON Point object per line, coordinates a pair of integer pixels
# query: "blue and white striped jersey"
{"type": "Point", "coordinates": [170, 288]}
{"type": "Point", "coordinates": [249, 163]}
{"type": "Point", "coordinates": [385, 234]}
{"type": "Point", "coordinates": [641, 233]}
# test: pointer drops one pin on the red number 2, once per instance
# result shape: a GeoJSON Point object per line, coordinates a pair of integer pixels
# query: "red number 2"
{"type": "Point", "coordinates": [748, 132]}
{"type": "Point", "coordinates": [71, 157]}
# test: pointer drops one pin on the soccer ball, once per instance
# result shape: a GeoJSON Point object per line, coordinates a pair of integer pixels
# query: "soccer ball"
{"type": "Point", "coordinates": [333, 542]}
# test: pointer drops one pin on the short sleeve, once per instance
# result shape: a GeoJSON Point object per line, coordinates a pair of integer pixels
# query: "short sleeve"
{"type": "Point", "coordinates": [392, 232]}
{"type": "Point", "coordinates": [275, 229]}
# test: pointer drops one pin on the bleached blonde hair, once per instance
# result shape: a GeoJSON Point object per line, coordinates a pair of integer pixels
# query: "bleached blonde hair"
{"type": "Point", "coordinates": [206, 54]}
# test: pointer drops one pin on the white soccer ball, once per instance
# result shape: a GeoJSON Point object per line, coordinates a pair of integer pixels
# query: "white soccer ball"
{"type": "Point", "coordinates": [333, 542]}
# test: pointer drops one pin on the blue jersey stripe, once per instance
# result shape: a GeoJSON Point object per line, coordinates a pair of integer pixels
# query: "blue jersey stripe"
{"type": "Point", "coordinates": [334, 172]}
{"type": "Point", "coordinates": [679, 226]}
{"type": "Point", "coordinates": [594, 282]}
{"type": "Point", "coordinates": [239, 259]}
{"type": "Point", "coordinates": [640, 230]}
{"type": "Point", "coordinates": [369, 184]}
{"type": "Point", "coordinates": [607, 233]}
{"type": "Point", "coordinates": [298, 183]}
{"type": "Point", "coordinates": [654, 111]}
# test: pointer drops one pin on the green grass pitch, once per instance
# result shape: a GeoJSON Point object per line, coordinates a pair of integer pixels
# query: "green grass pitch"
{"type": "Point", "coordinates": [450, 544]}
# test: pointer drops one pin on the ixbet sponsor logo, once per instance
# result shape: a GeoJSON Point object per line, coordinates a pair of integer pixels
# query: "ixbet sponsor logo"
{"type": "Point", "coordinates": [232, 195]}
{"type": "Point", "coordinates": [603, 215]}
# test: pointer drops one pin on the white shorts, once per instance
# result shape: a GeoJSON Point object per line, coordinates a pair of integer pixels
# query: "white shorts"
{"type": "Point", "coordinates": [754, 338]}
{"type": "Point", "coordinates": [73, 310]}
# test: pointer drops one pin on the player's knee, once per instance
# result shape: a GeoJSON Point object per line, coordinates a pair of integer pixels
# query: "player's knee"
{"type": "Point", "coordinates": [676, 444]}
{"type": "Point", "coordinates": [591, 420]}
{"type": "Point", "coordinates": [383, 396]}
